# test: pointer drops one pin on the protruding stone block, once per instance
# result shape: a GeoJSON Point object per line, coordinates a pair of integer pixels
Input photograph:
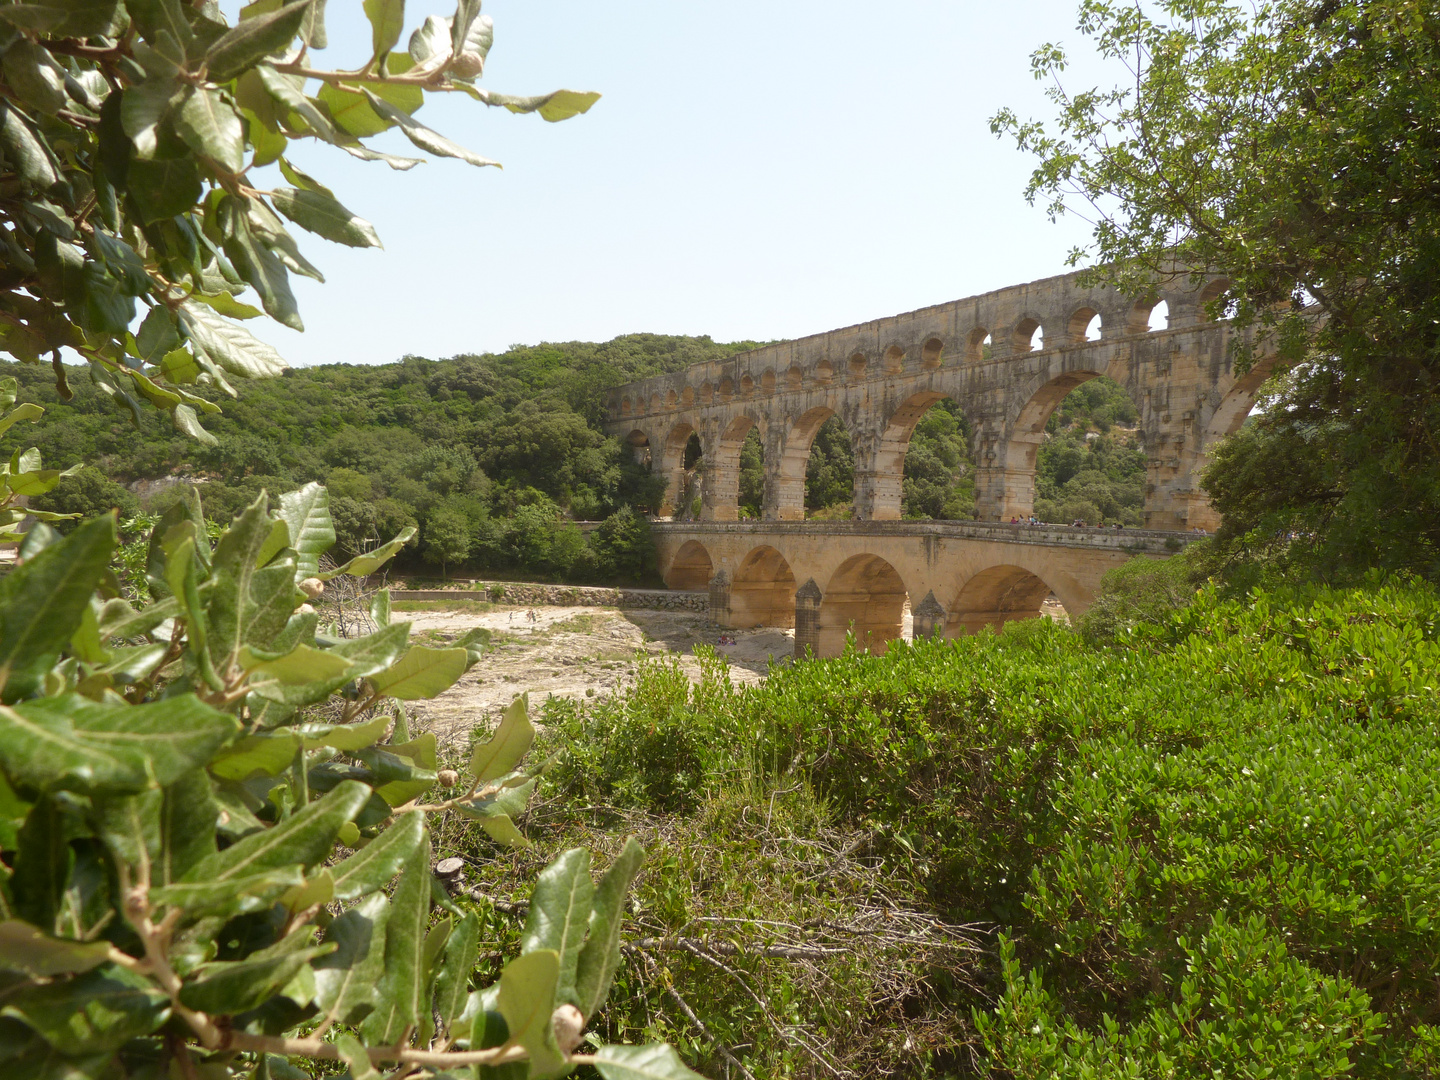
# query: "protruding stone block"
{"type": "Point", "coordinates": [807, 619]}
{"type": "Point", "coordinates": [929, 617]}
{"type": "Point", "coordinates": [720, 599]}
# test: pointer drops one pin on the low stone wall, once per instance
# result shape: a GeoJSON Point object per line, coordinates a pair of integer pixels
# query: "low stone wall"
{"type": "Point", "coordinates": [527, 594]}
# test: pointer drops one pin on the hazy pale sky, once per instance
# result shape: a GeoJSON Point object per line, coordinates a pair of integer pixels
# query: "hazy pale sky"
{"type": "Point", "coordinates": [754, 170]}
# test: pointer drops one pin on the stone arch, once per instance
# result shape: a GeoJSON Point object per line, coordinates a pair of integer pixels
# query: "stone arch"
{"type": "Point", "coordinates": [1137, 319]}
{"type": "Point", "coordinates": [707, 393]}
{"type": "Point", "coordinates": [795, 377]}
{"type": "Point", "coordinates": [1007, 488]}
{"type": "Point", "coordinates": [1022, 338]}
{"type": "Point", "coordinates": [787, 474]}
{"type": "Point", "coordinates": [687, 398]}
{"type": "Point", "coordinates": [767, 380]}
{"type": "Point", "coordinates": [1209, 294]}
{"type": "Point", "coordinates": [691, 569]}
{"type": "Point", "coordinates": [866, 597]}
{"type": "Point", "coordinates": [824, 372]}
{"type": "Point", "coordinates": [1227, 419]}
{"type": "Point", "coordinates": [932, 353]}
{"type": "Point", "coordinates": [722, 470]}
{"type": "Point", "coordinates": [887, 469]}
{"type": "Point", "coordinates": [726, 390]}
{"type": "Point", "coordinates": [1078, 325]}
{"type": "Point", "coordinates": [747, 385]}
{"type": "Point", "coordinates": [975, 344]}
{"type": "Point", "coordinates": [671, 399]}
{"type": "Point", "coordinates": [995, 596]}
{"type": "Point", "coordinates": [762, 591]}
{"type": "Point", "coordinates": [626, 407]}
{"type": "Point", "coordinates": [857, 366]}
{"type": "Point", "coordinates": [894, 360]}
{"type": "Point", "coordinates": [672, 464]}
{"type": "Point", "coordinates": [639, 443]}
{"type": "Point", "coordinates": [656, 403]}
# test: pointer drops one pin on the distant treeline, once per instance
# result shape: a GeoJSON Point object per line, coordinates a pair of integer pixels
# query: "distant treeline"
{"type": "Point", "coordinates": [494, 457]}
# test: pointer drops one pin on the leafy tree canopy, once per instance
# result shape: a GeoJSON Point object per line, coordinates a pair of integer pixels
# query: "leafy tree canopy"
{"type": "Point", "coordinates": [1294, 145]}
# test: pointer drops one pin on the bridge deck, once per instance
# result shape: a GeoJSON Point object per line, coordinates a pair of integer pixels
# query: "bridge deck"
{"type": "Point", "coordinates": [1130, 541]}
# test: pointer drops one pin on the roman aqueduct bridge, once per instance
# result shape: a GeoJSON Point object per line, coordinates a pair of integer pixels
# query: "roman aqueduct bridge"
{"type": "Point", "coordinates": [1007, 359]}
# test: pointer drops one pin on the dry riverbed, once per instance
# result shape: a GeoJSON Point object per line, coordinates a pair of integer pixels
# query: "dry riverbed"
{"type": "Point", "coordinates": [573, 652]}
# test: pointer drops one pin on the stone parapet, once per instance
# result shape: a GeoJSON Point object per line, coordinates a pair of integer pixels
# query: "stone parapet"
{"type": "Point", "coordinates": [1130, 541]}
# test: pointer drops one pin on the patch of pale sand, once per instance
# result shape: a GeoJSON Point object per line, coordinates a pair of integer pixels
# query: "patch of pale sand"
{"type": "Point", "coordinates": [574, 652]}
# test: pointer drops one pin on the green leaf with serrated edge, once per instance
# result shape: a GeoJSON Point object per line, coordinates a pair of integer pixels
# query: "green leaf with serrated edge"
{"type": "Point", "coordinates": [600, 955]}
{"type": "Point", "coordinates": [377, 863]}
{"type": "Point", "coordinates": [228, 306]}
{"type": "Point", "coordinates": [305, 837]}
{"type": "Point", "coordinates": [163, 187]}
{"type": "Point", "coordinates": [508, 801]}
{"type": "Point", "coordinates": [188, 423]}
{"type": "Point", "coordinates": [380, 607]}
{"type": "Point", "coordinates": [435, 942]}
{"type": "Point", "coordinates": [242, 46]}
{"type": "Point", "coordinates": [28, 411]}
{"type": "Point", "coordinates": [34, 77]}
{"type": "Point", "coordinates": [431, 42]}
{"type": "Point", "coordinates": [422, 136]}
{"type": "Point", "coordinates": [353, 1053]}
{"type": "Point", "coordinates": [128, 825]}
{"type": "Point", "coordinates": [231, 347]}
{"type": "Point", "coordinates": [157, 335]}
{"type": "Point", "coordinates": [290, 93]}
{"type": "Point", "coordinates": [364, 153]}
{"type": "Point", "coordinates": [185, 833]}
{"type": "Point", "coordinates": [344, 736]}
{"type": "Point", "coordinates": [158, 20]}
{"type": "Point", "coordinates": [74, 743]}
{"type": "Point", "coordinates": [312, 533]}
{"type": "Point", "coordinates": [504, 832]}
{"type": "Point", "coordinates": [211, 127]}
{"type": "Point", "coordinates": [421, 753]}
{"type": "Point", "coordinates": [223, 987]}
{"type": "Point", "coordinates": [366, 564]}
{"type": "Point", "coordinates": [24, 152]}
{"type": "Point", "coordinates": [265, 754]}
{"type": "Point", "coordinates": [403, 986]}
{"type": "Point", "coordinates": [42, 601]}
{"type": "Point", "coordinates": [452, 986]}
{"type": "Point", "coordinates": [655, 1061]}
{"type": "Point", "coordinates": [387, 19]}
{"type": "Point", "coordinates": [261, 266]}
{"type": "Point", "coordinates": [346, 979]}
{"type": "Point", "coordinates": [63, 18]}
{"type": "Point", "coordinates": [26, 948]}
{"type": "Point", "coordinates": [503, 751]}
{"type": "Point", "coordinates": [422, 672]}
{"type": "Point", "coordinates": [303, 180]}
{"type": "Point", "coordinates": [301, 666]}
{"type": "Point", "coordinates": [100, 1010]}
{"type": "Point", "coordinates": [42, 864]}
{"type": "Point", "coordinates": [554, 107]}
{"type": "Point", "coordinates": [377, 651]}
{"type": "Point", "coordinates": [324, 216]}
{"type": "Point", "coordinates": [277, 541]}
{"type": "Point", "coordinates": [559, 916]}
{"type": "Point", "coordinates": [237, 896]}
{"type": "Point", "coordinates": [267, 143]}
{"type": "Point", "coordinates": [143, 107]}
{"type": "Point", "coordinates": [527, 1001]}
{"type": "Point", "coordinates": [246, 602]}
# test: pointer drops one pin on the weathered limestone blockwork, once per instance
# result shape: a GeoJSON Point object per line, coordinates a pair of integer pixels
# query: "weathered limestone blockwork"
{"type": "Point", "coordinates": [859, 574]}
{"type": "Point", "coordinates": [881, 376]}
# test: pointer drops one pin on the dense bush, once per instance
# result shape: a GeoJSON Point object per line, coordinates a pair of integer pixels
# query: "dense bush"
{"type": "Point", "coordinates": [1211, 850]}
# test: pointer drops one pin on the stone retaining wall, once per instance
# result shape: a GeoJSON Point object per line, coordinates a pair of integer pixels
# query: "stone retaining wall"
{"type": "Point", "coordinates": [530, 594]}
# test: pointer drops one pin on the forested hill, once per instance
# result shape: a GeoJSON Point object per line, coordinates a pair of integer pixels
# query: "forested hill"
{"type": "Point", "coordinates": [485, 453]}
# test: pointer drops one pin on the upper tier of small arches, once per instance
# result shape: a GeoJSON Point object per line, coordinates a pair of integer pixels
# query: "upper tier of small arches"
{"type": "Point", "coordinates": [1088, 318]}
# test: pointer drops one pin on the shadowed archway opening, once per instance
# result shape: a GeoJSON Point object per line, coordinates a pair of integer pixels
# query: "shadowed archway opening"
{"type": "Point", "coordinates": [692, 568]}
{"type": "Point", "coordinates": [762, 593]}
{"type": "Point", "coordinates": [672, 468]}
{"type": "Point", "coordinates": [929, 440]}
{"type": "Point", "coordinates": [830, 472]}
{"type": "Point", "coordinates": [1075, 455]}
{"type": "Point", "coordinates": [722, 470]}
{"type": "Point", "coordinates": [752, 476]}
{"type": "Point", "coordinates": [997, 596]}
{"type": "Point", "coordinates": [865, 597]}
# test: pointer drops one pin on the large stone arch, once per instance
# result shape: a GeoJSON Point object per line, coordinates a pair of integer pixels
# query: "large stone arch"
{"type": "Point", "coordinates": [722, 466]}
{"type": "Point", "coordinates": [1006, 593]}
{"type": "Point", "coordinates": [762, 591]}
{"type": "Point", "coordinates": [880, 483]}
{"type": "Point", "coordinates": [672, 462]}
{"type": "Point", "coordinates": [692, 568]}
{"type": "Point", "coordinates": [785, 488]}
{"type": "Point", "coordinates": [1226, 419]}
{"type": "Point", "coordinates": [1005, 486]}
{"type": "Point", "coordinates": [865, 596]}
